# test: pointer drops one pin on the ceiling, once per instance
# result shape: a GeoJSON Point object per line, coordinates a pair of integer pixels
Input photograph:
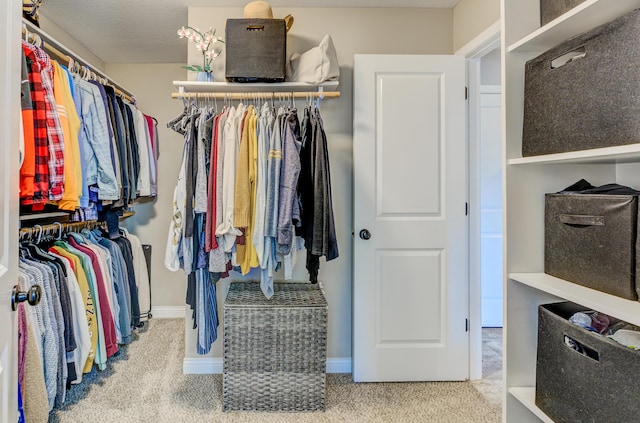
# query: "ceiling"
{"type": "Point", "coordinates": [126, 31]}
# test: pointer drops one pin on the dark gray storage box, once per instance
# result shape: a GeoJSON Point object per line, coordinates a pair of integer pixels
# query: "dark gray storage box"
{"type": "Point", "coordinates": [592, 240]}
{"type": "Point", "coordinates": [595, 382]}
{"type": "Point", "coordinates": [589, 102]}
{"type": "Point", "coordinates": [256, 50]}
{"type": "Point", "coordinates": [551, 9]}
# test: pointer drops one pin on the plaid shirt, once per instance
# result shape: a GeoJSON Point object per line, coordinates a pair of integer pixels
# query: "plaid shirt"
{"type": "Point", "coordinates": [41, 186]}
{"type": "Point", "coordinates": [54, 128]}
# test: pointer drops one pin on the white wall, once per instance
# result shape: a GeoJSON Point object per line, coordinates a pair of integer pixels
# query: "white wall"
{"type": "Point", "coordinates": [471, 17]}
{"type": "Point", "coordinates": [371, 30]}
{"type": "Point", "coordinates": [490, 72]}
{"type": "Point", "coordinates": [74, 45]}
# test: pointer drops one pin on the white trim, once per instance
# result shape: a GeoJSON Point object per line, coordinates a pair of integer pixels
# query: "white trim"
{"type": "Point", "coordinates": [490, 89]}
{"type": "Point", "coordinates": [339, 365]}
{"type": "Point", "coordinates": [214, 365]}
{"type": "Point", "coordinates": [483, 43]}
{"type": "Point", "coordinates": [168, 312]}
{"type": "Point", "coordinates": [475, 286]}
{"type": "Point", "coordinates": [202, 365]}
{"type": "Point", "coordinates": [487, 41]}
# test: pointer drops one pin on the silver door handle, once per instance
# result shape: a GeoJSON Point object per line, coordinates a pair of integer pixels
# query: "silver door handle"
{"type": "Point", "coordinates": [32, 296]}
{"type": "Point", "coordinates": [365, 234]}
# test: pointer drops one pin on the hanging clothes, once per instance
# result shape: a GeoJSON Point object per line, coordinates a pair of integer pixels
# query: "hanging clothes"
{"type": "Point", "coordinates": [317, 226]}
{"type": "Point", "coordinates": [84, 149]}
{"type": "Point", "coordinates": [84, 315]}
{"type": "Point", "coordinates": [253, 189]}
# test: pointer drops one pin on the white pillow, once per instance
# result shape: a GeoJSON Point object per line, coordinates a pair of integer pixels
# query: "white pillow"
{"type": "Point", "coordinates": [316, 65]}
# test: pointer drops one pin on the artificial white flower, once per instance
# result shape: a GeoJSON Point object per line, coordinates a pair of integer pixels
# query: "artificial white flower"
{"type": "Point", "coordinates": [203, 42]}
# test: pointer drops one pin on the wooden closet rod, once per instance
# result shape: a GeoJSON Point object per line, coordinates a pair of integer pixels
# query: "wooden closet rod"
{"type": "Point", "coordinates": [65, 55]}
{"type": "Point", "coordinates": [260, 95]}
{"type": "Point", "coordinates": [57, 228]}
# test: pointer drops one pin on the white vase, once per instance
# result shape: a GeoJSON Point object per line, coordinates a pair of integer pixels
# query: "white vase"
{"type": "Point", "coordinates": [204, 77]}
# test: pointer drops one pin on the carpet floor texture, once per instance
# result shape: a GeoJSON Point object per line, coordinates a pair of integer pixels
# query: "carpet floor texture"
{"type": "Point", "coordinates": [144, 383]}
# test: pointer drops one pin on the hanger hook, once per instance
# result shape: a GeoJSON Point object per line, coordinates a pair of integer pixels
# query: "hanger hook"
{"type": "Point", "coordinates": [39, 232]}
{"type": "Point", "coordinates": [60, 227]}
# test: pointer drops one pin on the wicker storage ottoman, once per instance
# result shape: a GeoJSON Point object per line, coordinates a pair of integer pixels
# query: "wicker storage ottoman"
{"type": "Point", "coordinates": [275, 351]}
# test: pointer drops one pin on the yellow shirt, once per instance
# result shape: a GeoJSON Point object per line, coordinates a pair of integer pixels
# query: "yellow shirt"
{"type": "Point", "coordinates": [70, 123]}
{"type": "Point", "coordinates": [83, 284]}
{"type": "Point", "coordinates": [245, 192]}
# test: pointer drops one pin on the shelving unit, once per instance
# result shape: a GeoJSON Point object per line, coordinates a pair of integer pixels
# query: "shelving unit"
{"type": "Point", "coordinates": [526, 180]}
{"type": "Point", "coordinates": [238, 91]}
{"type": "Point", "coordinates": [236, 87]}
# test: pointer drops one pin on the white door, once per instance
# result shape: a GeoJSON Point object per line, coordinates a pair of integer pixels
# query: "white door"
{"type": "Point", "coordinates": [10, 12]}
{"type": "Point", "coordinates": [491, 204]}
{"type": "Point", "coordinates": [410, 296]}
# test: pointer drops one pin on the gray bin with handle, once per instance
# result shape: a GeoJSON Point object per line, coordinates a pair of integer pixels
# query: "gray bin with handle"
{"type": "Point", "coordinates": [591, 240]}
{"type": "Point", "coordinates": [256, 50]}
{"type": "Point", "coordinates": [593, 100]}
{"type": "Point", "coordinates": [582, 376]}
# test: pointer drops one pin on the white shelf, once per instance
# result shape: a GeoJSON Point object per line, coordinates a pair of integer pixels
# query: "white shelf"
{"type": "Point", "coordinates": [627, 310]}
{"type": "Point", "coordinates": [585, 16]}
{"type": "Point", "coordinates": [235, 87]}
{"type": "Point", "coordinates": [620, 154]}
{"type": "Point", "coordinates": [48, 215]}
{"type": "Point", "coordinates": [527, 396]}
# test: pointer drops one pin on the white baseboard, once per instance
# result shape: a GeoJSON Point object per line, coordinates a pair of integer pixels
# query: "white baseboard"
{"type": "Point", "coordinates": [167, 312]}
{"type": "Point", "coordinates": [202, 366]}
{"type": "Point", "coordinates": [213, 365]}
{"type": "Point", "coordinates": [339, 365]}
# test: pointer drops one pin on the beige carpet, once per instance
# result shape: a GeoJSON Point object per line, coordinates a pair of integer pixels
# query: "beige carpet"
{"type": "Point", "coordinates": [145, 384]}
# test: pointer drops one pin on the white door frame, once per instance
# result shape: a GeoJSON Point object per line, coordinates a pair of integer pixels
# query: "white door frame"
{"type": "Point", "coordinates": [473, 51]}
{"type": "Point", "coordinates": [10, 12]}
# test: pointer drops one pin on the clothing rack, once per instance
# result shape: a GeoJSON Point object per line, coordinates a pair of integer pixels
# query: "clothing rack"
{"type": "Point", "coordinates": [57, 229]}
{"type": "Point", "coordinates": [66, 56]}
{"type": "Point", "coordinates": [259, 95]}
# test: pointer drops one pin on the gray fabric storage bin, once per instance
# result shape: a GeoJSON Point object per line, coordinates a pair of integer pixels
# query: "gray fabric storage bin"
{"type": "Point", "coordinates": [275, 350]}
{"type": "Point", "coordinates": [592, 240]}
{"type": "Point", "coordinates": [594, 382]}
{"type": "Point", "coordinates": [255, 50]}
{"type": "Point", "coordinates": [589, 102]}
{"type": "Point", "coordinates": [551, 9]}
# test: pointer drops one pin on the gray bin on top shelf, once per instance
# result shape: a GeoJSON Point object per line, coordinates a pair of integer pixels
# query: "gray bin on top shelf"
{"type": "Point", "coordinates": [551, 9]}
{"type": "Point", "coordinates": [592, 100]}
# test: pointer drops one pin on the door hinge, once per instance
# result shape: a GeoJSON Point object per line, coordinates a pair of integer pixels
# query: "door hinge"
{"type": "Point", "coordinates": [466, 209]}
{"type": "Point", "coordinates": [466, 325]}
{"type": "Point", "coordinates": [466, 93]}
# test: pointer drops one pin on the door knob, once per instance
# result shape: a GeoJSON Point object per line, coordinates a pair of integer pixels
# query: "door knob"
{"type": "Point", "coordinates": [365, 234]}
{"type": "Point", "coordinates": [32, 296]}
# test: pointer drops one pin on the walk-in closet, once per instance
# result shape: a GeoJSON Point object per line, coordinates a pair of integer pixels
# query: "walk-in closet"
{"type": "Point", "coordinates": [243, 211]}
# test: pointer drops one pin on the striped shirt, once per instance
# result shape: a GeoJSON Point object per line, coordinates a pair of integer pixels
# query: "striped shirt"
{"type": "Point", "coordinates": [41, 185]}
{"type": "Point", "coordinates": [55, 135]}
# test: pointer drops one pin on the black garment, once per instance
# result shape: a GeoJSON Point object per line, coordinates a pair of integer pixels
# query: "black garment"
{"type": "Point", "coordinates": [62, 289]}
{"type": "Point", "coordinates": [125, 247]}
{"type": "Point", "coordinates": [120, 141]}
{"type": "Point", "coordinates": [584, 187]}
{"type": "Point", "coordinates": [314, 187]}
{"type": "Point", "coordinates": [133, 148]}
{"type": "Point", "coordinates": [191, 171]}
